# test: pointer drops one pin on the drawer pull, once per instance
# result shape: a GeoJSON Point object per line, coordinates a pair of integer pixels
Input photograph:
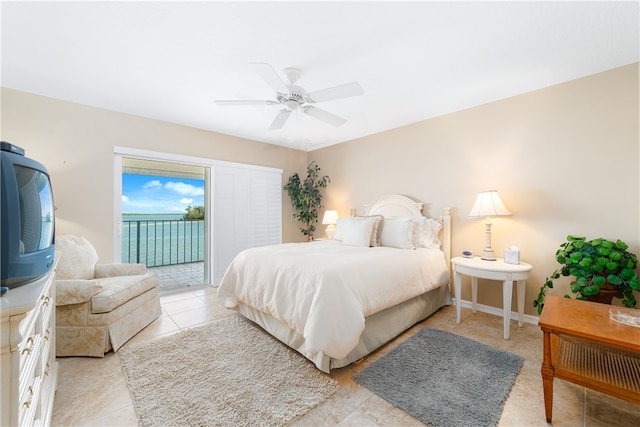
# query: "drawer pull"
{"type": "Point", "coordinates": [29, 347]}
{"type": "Point", "coordinates": [27, 404]}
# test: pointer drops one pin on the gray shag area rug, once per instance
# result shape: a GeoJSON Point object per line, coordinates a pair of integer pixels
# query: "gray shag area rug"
{"type": "Point", "coordinates": [443, 379]}
{"type": "Point", "coordinates": [227, 373]}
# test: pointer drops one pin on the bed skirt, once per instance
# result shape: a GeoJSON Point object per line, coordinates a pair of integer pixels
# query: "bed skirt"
{"type": "Point", "coordinates": [380, 327]}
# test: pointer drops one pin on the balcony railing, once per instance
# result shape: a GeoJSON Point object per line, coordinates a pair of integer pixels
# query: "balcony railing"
{"type": "Point", "coordinates": [163, 242]}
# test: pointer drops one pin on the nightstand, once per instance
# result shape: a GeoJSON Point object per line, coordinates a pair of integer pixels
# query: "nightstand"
{"type": "Point", "coordinates": [478, 268]}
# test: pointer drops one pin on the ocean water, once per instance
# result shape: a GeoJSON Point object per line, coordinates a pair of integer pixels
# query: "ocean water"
{"type": "Point", "coordinates": [151, 217]}
{"type": "Point", "coordinates": [162, 239]}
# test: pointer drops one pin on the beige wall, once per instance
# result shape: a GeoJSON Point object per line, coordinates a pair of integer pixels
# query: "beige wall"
{"type": "Point", "coordinates": [75, 143]}
{"type": "Point", "coordinates": [565, 160]}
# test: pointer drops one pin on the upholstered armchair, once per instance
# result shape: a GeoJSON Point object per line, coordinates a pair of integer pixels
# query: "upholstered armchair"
{"type": "Point", "coordinates": [99, 307]}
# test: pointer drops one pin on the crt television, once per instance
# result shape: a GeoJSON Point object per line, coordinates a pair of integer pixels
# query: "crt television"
{"type": "Point", "coordinates": [27, 224]}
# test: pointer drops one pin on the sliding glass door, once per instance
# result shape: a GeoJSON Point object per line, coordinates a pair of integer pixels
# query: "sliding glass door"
{"type": "Point", "coordinates": [186, 216]}
{"type": "Point", "coordinates": [164, 220]}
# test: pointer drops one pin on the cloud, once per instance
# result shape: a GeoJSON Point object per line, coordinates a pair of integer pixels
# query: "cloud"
{"type": "Point", "coordinates": [152, 195]}
{"type": "Point", "coordinates": [152, 185]}
{"type": "Point", "coordinates": [184, 189]}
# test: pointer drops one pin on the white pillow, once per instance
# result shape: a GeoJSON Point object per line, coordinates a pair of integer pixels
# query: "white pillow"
{"type": "Point", "coordinates": [397, 232]}
{"type": "Point", "coordinates": [341, 225]}
{"type": "Point", "coordinates": [358, 231]}
{"type": "Point", "coordinates": [426, 231]}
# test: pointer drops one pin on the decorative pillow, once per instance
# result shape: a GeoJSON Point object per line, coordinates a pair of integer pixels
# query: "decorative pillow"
{"type": "Point", "coordinates": [358, 231]}
{"type": "Point", "coordinates": [426, 231]}
{"type": "Point", "coordinates": [377, 228]}
{"type": "Point", "coordinates": [397, 232]}
{"type": "Point", "coordinates": [435, 227]}
{"type": "Point", "coordinates": [78, 258]}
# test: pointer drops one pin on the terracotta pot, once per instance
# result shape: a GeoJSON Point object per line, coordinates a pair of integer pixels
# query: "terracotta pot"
{"type": "Point", "coordinates": [605, 295]}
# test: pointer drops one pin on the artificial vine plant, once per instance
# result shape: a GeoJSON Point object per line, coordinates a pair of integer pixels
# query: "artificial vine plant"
{"type": "Point", "coordinates": [306, 197]}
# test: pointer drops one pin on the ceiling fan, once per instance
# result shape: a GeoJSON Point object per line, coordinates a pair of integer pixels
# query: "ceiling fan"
{"type": "Point", "coordinates": [294, 98]}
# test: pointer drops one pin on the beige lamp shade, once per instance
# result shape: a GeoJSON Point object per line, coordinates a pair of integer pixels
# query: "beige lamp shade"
{"type": "Point", "coordinates": [330, 217]}
{"type": "Point", "coordinates": [488, 204]}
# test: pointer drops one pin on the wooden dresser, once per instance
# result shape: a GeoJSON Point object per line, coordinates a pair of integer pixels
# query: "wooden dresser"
{"type": "Point", "coordinates": [29, 367]}
{"type": "Point", "coordinates": [584, 346]}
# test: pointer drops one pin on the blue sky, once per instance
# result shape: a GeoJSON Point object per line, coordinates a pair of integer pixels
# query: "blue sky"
{"type": "Point", "coordinates": [157, 194]}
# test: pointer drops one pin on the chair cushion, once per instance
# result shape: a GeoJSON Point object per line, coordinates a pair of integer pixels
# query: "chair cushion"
{"type": "Point", "coordinates": [118, 290]}
{"type": "Point", "coordinates": [78, 258]}
{"type": "Point", "coordinates": [75, 291]}
{"type": "Point", "coordinates": [120, 269]}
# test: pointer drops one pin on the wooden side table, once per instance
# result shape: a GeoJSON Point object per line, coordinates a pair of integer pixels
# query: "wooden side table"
{"type": "Point", "coordinates": [584, 346]}
{"type": "Point", "coordinates": [495, 270]}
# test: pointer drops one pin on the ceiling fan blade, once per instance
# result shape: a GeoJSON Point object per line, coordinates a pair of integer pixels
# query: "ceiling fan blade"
{"type": "Point", "coordinates": [270, 76]}
{"type": "Point", "coordinates": [336, 92]}
{"type": "Point", "coordinates": [244, 102]}
{"type": "Point", "coordinates": [280, 120]}
{"type": "Point", "coordinates": [325, 116]}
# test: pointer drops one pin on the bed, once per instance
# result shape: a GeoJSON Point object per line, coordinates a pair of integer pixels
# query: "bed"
{"type": "Point", "coordinates": [337, 300]}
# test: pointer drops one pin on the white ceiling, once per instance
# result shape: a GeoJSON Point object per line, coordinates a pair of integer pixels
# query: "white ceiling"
{"type": "Point", "coordinates": [414, 60]}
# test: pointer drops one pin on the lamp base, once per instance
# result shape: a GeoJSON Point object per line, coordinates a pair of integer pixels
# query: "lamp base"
{"type": "Point", "coordinates": [331, 231]}
{"type": "Point", "coordinates": [488, 255]}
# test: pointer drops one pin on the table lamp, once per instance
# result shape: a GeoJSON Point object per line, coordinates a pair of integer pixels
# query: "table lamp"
{"type": "Point", "coordinates": [487, 205]}
{"type": "Point", "coordinates": [330, 219]}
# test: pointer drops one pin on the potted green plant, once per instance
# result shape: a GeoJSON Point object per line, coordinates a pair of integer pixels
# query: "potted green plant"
{"type": "Point", "coordinates": [598, 266]}
{"type": "Point", "coordinates": [306, 197]}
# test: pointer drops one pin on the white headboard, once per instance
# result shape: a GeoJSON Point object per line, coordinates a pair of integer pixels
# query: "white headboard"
{"type": "Point", "coordinates": [391, 205]}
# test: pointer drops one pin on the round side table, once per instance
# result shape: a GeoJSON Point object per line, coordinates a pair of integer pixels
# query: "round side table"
{"type": "Point", "coordinates": [478, 268]}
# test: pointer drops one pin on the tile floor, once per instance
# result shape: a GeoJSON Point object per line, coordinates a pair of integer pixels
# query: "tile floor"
{"type": "Point", "coordinates": [172, 278]}
{"type": "Point", "coordinates": [93, 392]}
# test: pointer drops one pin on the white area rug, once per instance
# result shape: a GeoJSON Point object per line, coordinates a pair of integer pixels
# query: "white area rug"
{"type": "Point", "coordinates": [228, 373]}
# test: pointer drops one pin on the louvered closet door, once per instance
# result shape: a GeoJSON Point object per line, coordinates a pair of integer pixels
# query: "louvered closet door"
{"type": "Point", "coordinates": [247, 212]}
{"type": "Point", "coordinates": [266, 204]}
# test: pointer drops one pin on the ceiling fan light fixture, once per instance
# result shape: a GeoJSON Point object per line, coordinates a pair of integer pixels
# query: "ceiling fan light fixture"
{"type": "Point", "coordinates": [292, 75]}
{"type": "Point", "coordinates": [291, 104]}
{"type": "Point", "coordinates": [294, 98]}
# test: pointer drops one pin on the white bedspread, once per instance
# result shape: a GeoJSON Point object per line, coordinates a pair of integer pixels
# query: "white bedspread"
{"type": "Point", "coordinates": [324, 289]}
